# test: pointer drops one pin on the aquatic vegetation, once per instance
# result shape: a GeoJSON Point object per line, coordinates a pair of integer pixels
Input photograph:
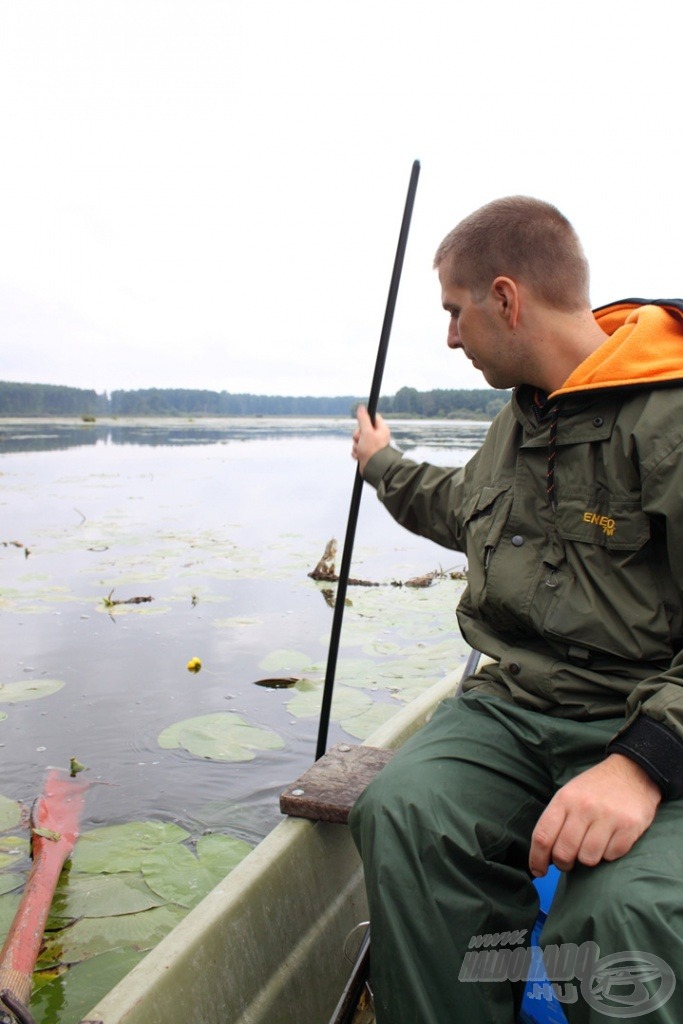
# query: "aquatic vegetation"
{"type": "Point", "coordinates": [223, 736]}
{"type": "Point", "coordinates": [28, 689]}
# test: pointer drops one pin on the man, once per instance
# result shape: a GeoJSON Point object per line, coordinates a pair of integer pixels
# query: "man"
{"type": "Point", "coordinates": [568, 746]}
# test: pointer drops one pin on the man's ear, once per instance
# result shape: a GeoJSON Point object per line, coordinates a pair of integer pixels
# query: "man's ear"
{"type": "Point", "coordinates": [507, 299]}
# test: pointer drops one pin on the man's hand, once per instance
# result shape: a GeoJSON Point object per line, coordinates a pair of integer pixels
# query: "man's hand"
{"type": "Point", "coordinates": [367, 439]}
{"type": "Point", "coordinates": [597, 816]}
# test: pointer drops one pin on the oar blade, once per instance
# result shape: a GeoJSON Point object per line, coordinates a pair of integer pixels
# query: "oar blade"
{"type": "Point", "coordinates": [60, 807]}
{"type": "Point", "coordinates": [55, 823]}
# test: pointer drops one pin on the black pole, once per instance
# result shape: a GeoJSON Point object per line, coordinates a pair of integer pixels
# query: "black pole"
{"type": "Point", "coordinates": [358, 482]}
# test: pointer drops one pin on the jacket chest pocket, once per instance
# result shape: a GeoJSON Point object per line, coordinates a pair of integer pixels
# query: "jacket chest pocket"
{"type": "Point", "coordinates": [486, 516]}
{"type": "Point", "coordinates": [607, 597]}
{"type": "Point", "coordinates": [616, 525]}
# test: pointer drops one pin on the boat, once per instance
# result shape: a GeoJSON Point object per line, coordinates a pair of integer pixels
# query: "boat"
{"type": "Point", "coordinates": [269, 945]}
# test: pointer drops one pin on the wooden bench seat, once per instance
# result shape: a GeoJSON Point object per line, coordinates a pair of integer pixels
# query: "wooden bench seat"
{"type": "Point", "coordinates": [329, 788]}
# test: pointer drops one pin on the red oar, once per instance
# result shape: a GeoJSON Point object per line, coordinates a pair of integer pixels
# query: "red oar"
{"type": "Point", "coordinates": [54, 821]}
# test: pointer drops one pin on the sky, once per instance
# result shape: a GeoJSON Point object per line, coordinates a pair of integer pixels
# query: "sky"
{"type": "Point", "coordinates": [208, 194]}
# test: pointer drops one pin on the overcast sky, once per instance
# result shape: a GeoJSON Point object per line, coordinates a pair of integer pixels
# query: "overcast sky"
{"type": "Point", "coordinates": [208, 193]}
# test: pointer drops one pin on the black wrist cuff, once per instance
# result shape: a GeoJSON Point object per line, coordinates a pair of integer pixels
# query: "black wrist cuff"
{"type": "Point", "coordinates": [657, 749]}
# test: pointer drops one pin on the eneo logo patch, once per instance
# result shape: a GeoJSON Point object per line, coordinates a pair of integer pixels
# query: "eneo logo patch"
{"type": "Point", "coordinates": [607, 524]}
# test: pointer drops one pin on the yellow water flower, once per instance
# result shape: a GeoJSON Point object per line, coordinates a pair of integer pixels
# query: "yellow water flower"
{"type": "Point", "coordinates": [194, 665]}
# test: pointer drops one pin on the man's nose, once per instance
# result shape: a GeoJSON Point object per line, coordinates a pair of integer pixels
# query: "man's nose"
{"type": "Point", "coordinates": [453, 338]}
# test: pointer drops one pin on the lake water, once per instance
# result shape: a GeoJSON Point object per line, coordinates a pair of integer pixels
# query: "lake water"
{"type": "Point", "coordinates": [219, 522]}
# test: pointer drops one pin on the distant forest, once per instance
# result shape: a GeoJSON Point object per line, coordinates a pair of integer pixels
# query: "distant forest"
{"type": "Point", "coordinates": [55, 400]}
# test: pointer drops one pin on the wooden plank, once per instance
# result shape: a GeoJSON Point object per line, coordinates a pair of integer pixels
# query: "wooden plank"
{"type": "Point", "coordinates": [331, 786]}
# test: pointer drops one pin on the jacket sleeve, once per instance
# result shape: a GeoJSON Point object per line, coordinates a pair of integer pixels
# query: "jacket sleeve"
{"type": "Point", "coordinates": [653, 733]}
{"type": "Point", "coordinates": [656, 748]}
{"type": "Point", "coordinates": [424, 499]}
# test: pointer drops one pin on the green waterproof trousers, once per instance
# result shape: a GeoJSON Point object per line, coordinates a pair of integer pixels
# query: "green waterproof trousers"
{"type": "Point", "coordinates": [444, 832]}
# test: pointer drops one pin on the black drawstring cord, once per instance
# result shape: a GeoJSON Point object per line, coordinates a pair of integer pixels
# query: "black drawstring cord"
{"type": "Point", "coordinates": [552, 457]}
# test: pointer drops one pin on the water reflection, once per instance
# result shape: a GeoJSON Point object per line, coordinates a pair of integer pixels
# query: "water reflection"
{"type": "Point", "coordinates": [54, 435]}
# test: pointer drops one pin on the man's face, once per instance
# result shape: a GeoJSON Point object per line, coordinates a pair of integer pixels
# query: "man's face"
{"type": "Point", "coordinates": [479, 329]}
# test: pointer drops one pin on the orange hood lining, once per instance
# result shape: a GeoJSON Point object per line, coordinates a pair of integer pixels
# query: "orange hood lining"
{"type": "Point", "coordinates": [645, 346]}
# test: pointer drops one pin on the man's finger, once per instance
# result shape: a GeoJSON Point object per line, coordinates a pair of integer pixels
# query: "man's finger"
{"type": "Point", "coordinates": [594, 843]}
{"type": "Point", "coordinates": [548, 828]}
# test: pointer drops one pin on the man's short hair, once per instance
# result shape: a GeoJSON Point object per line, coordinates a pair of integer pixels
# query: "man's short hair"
{"type": "Point", "coordinates": [522, 238]}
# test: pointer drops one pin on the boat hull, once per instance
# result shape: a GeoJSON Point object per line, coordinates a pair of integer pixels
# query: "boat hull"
{"type": "Point", "coordinates": [267, 944]}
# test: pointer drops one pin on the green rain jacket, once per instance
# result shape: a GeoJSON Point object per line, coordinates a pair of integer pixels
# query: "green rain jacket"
{"type": "Point", "coordinates": [571, 518]}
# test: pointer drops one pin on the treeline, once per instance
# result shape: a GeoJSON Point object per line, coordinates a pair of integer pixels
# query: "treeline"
{"type": "Point", "coordinates": [55, 400]}
{"type": "Point", "coordinates": [50, 400]}
{"type": "Point", "coordinates": [187, 402]}
{"type": "Point", "coordinates": [442, 404]}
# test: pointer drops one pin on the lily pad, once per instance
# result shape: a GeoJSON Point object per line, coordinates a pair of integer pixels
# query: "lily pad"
{"type": "Point", "coordinates": [361, 726]}
{"type": "Point", "coordinates": [346, 703]}
{"type": "Point", "coordinates": [237, 622]}
{"type": "Point", "coordinates": [286, 662]}
{"type": "Point", "coordinates": [10, 880]}
{"type": "Point", "coordinates": [122, 847]}
{"type": "Point", "coordinates": [28, 689]}
{"type": "Point", "coordinates": [94, 935]}
{"type": "Point", "coordinates": [8, 908]}
{"type": "Point", "coordinates": [175, 874]}
{"type": "Point", "coordinates": [10, 813]}
{"type": "Point", "coordinates": [101, 896]}
{"type": "Point", "coordinates": [12, 850]}
{"type": "Point", "coordinates": [75, 990]}
{"type": "Point", "coordinates": [359, 672]}
{"type": "Point", "coordinates": [418, 686]}
{"type": "Point", "coordinates": [222, 736]}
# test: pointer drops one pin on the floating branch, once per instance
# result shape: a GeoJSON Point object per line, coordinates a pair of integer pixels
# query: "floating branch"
{"type": "Point", "coordinates": [429, 577]}
{"type": "Point", "coordinates": [110, 602]}
{"type": "Point", "coordinates": [324, 572]}
{"type": "Point", "coordinates": [16, 544]}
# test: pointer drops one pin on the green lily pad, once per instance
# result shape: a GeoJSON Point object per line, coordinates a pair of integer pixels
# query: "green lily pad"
{"type": "Point", "coordinates": [11, 880]}
{"type": "Point", "coordinates": [237, 622]}
{"type": "Point", "coordinates": [222, 736]}
{"type": "Point", "coordinates": [361, 726]}
{"type": "Point", "coordinates": [286, 662]}
{"type": "Point", "coordinates": [346, 703]}
{"type": "Point", "coordinates": [13, 849]}
{"type": "Point", "coordinates": [10, 813]}
{"type": "Point", "coordinates": [304, 685]}
{"type": "Point", "coordinates": [75, 990]}
{"type": "Point", "coordinates": [175, 874]}
{"type": "Point", "coordinates": [28, 689]}
{"type": "Point", "coordinates": [86, 895]}
{"type": "Point", "coordinates": [94, 935]}
{"type": "Point", "coordinates": [122, 847]}
{"type": "Point", "coordinates": [407, 693]}
{"type": "Point", "coordinates": [8, 908]}
{"type": "Point", "coordinates": [359, 672]}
